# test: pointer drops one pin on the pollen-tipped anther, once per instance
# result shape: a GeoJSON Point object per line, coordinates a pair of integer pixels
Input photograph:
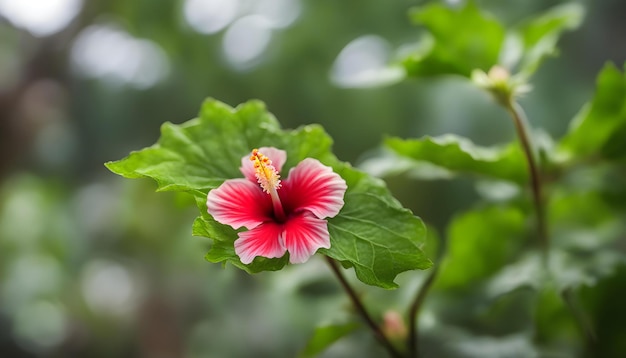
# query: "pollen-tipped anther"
{"type": "Point", "coordinates": [268, 178]}
{"type": "Point", "coordinates": [265, 173]}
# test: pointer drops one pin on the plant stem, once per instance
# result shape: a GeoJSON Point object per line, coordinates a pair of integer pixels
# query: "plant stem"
{"type": "Point", "coordinates": [415, 309]}
{"type": "Point", "coordinates": [378, 333]}
{"type": "Point", "coordinates": [521, 126]}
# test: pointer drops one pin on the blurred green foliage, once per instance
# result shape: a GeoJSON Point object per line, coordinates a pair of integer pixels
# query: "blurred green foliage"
{"type": "Point", "coordinates": [92, 266]}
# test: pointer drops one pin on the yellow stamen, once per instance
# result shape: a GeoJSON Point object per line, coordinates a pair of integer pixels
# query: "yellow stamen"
{"type": "Point", "coordinates": [269, 179]}
{"type": "Point", "coordinates": [265, 173]}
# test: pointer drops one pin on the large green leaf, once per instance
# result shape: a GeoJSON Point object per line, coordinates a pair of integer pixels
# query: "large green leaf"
{"type": "Point", "coordinates": [372, 233]}
{"type": "Point", "coordinates": [593, 127]}
{"type": "Point", "coordinates": [459, 154]}
{"type": "Point", "coordinates": [462, 40]}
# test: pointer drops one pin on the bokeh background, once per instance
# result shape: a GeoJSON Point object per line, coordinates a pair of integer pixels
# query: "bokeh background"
{"type": "Point", "coordinates": [93, 265]}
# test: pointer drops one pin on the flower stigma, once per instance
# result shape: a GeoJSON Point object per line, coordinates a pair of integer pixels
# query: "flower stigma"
{"type": "Point", "coordinates": [269, 180]}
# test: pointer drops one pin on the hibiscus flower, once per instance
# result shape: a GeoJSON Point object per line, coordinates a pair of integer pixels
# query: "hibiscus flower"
{"type": "Point", "coordinates": [280, 215]}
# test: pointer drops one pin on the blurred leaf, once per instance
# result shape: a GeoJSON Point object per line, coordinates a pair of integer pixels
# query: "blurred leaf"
{"type": "Point", "coordinates": [514, 345]}
{"type": "Point", "coordinates": [615, 146]}
{"type": "Point", "coordinates": [605, 305]}
{"type": "Point", "coordinates": [372, 233]}
{"type": "Point", "coordinates": [540, 34]}
{"type": "Point", "coordinates": [495, 190]}
{"type": "Point", "coordinates": [592, 128]}
{"type": "Point", "coordinates": [554, 322]}
{"type": "Point", "coordinates": [572, 269]}
{"type": "Point", "coordinates": [464, 39]}
{"type": "Point", "coordinates": [582, 220]}
{"type": "Point", "coordinates": [527, 272]}
{"type": "Point", "coordinates": [480, 242]}
{"type": "Point", "coordinates": [325, 336]}
{"type": "Point", "coordinates": [567, 270]}
{"type": "Point", "coordinates": [460, 154]}
{"type": "Point", "coordinates": [585, 241]}
{"type": "Point", "coordinates": [387, 163]}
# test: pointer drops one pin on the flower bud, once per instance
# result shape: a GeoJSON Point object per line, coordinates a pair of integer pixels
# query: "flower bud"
{"type": "Point", "coordinates": [393, 325]}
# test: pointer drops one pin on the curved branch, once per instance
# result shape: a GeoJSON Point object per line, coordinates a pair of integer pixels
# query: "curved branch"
{"type": "Point", "coordinates": [415, 310]}
{"type": "Point", "coordinates": [521, 126]}
{"type": "Point", "coordinates": [378, 333]}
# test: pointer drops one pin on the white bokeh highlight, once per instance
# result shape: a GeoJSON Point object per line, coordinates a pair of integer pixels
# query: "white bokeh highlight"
{"type": "Point", "coordinates": [108, 288]}
{"type": "Point", "coordinates": [40, 325]}
{"type": "Point", "coordinates": [40, 17]}
{"type": "Point", "coordinates": [247, 25]}
{"type": "Point", "coordinates": [278, 13]}
{"type": "Point", "coordinates": [246, 40]}
{"type": "Point", "coordinates": [364, 63]}
{"type": "Point", "coordinates": [111, 54]}
{"type": "Point", "coordinates": [210, 16]}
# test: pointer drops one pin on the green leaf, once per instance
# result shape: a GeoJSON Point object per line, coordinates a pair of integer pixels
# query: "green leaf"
{"type": "Point", "coordinates": [325, 336]}
{"type": "Point", "coordinates": [472, 345]}
{"type": "Point", "coordinates": [203, 152]}
{"type": "Point", "coordinates": [554, 321]}
{"type": "Point", "coordinates": [571, 269]}
{"type": "Point", "coordinates": [586, 240]}
{"type": "Point", "coordinates": [480, 242]}
{"type": "Point", "coordinates": [568, 269]}
{"type": "Point", "coordinates": [527, 272]}
{"type": "Point", "coordinates": [615, 146]}
{"type": "Point", "coordinates": [540, 34]}
{"type": "Point", "coordinates": [593, 127]}
{"type": "Point", "coordinates": [372, 233]}
{"type": "Point", "coordinates": [462, 40]}
{"type": "Point", "coordinates": [585, 234]}
{"type": "Point", "coordinates": [459, 154]}
{"type": "Point", "coordinates": [593, 224]}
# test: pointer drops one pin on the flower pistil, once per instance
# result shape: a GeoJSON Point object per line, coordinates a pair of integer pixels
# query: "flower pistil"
{"type": "Point", "coordinates": [268, 178]}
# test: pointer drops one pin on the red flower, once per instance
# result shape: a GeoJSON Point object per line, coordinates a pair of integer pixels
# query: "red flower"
{"type": "Point", "coordinates": [280, 216]}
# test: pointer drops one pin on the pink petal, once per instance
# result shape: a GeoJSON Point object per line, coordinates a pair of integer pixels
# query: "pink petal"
{"type": "Point", "coordinates": [264, 240]}
{"type": "Point", "coordinates": [277, 156]}
{"type": "Point", "coordinates": [303, 235]}
{"type": "Point", "coordinates": [239, 202]}
{"type": "Point", "coordinates": [314, 187]}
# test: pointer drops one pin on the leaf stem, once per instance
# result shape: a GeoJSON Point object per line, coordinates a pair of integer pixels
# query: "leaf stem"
{"type": "Point", "coordinates": [356, 301]}
{"type": "Point", "coordinates": [412, 343]}
{"type": "Point", "coordinates": [521, 126]}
